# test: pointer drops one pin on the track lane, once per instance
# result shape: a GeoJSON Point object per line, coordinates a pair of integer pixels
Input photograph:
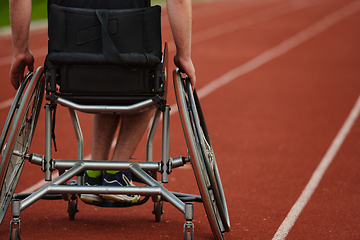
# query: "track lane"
{"type": "Point", "coordinates": [260, 145]}
{"type": "Point", "coordinates": [336, 198]}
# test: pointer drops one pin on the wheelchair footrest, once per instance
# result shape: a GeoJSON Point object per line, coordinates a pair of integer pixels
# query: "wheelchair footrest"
{"type": "Point", "coordinates": [111, 203]}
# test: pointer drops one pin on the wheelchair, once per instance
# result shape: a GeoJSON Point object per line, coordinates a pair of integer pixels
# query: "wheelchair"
{"type": "Point", "coordinates": [66, 80]}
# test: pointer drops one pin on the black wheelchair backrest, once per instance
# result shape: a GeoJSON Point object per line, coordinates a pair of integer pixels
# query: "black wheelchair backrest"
{"type": "Point", "coordinates": [104, 51]}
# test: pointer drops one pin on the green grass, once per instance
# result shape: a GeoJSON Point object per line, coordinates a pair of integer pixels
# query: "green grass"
{"type": "Point", "coordinates": [39, 8]}
{"type": "Point", "coordinates": [4, 13]}
{"type": "Point", "coordinates": [38, 11]}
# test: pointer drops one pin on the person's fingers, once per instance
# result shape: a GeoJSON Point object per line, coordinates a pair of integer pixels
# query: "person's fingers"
{"type": "Point", "coordinates": [31, 67]}
{"type": "Point", "coordinates": [192, 79]}
{"type": "Point", "coordinates": [187, 67]}
{"type": "Point", "coordinates": [30, 62]}
{"type": "Point", "coordinates": [16, 74]}
{"type": "Point", "coordinates": [18, 68]}
{"type": "Point", "coordinates": [15, 80]}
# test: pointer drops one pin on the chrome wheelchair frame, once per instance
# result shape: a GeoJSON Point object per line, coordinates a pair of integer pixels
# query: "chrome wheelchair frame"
{"type": "Point", "coordinates": [19, 128]}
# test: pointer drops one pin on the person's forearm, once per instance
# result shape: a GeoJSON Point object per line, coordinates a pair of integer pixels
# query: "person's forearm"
{"type": "Point", "coordinates": [180, 17]}
{"type": "Point", "coordinates": [20, 17]}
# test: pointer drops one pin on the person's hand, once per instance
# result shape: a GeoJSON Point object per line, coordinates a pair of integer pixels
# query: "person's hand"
{"type": "Point", "coordinates": [186, 66]}
{"type": "Point", "coordinates": [18, 65]}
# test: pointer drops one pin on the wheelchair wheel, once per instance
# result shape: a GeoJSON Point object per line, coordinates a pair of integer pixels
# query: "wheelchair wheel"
{"type": "Point", "coordinates": [13, 108]}
{"type": "Point", "coordinates": [72, 206]}
{"type": "Point", "coordinates": [202, 157]}
{"type": "Point", "coordinates": [15, 235]}
{"type": "Point", "coordinates": [158, 211]}
{"type": "Point", "coordinates": [20, 136]}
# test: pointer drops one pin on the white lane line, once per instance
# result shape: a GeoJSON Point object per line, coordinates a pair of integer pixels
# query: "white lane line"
{"type": "Point", "coordinates": [198, 14]}
{"type": "Point", "coordinates": [246, 21]}
{"type": "Point", "coordinates": [218, 30]}
{"type": "Point", "coordinates": [39, 184]}
{"type": "Point", "coordinates": [251, 19]}
{"type": "Point", "coordinates": [38, 52]}
{"type": "Point", "coordinates": [200, 11]}
{"type": "Point", "coordinates": [208, 10]}
{"type": "Point", "coordinates": [207, 34]}
{"type": "Point", "coordinates": [282, 48]}
{"type": "Point", "coordinates": [5, 60]}
{"type": "Point", "coordinates": [6, 103]}
{"type": "Point", "coordinates": [295, 211]}
{"type": "Point", "coordinates": [42, 183]}
{"type": "Point", "coordinates": [36, 27]}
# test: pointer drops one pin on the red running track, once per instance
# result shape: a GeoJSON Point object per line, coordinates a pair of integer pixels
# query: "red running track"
{"type": "Point", "coordinates": [278, 80]}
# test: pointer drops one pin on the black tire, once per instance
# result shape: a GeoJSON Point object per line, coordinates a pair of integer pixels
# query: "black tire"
{"type": "Point", "coordinates": [72, 209]}
{"type": "Point", "coordinates": [13, 108]}
{"type": "Point", "coordinates": [188, 236]}
{"type": "Point", "coordinates": [158, 211]}
{"type": "Point", "coordinates": [20, 136]}
{"type": "Point", "coordinates": [202, 157]}
{"type": "Point", "coordinates": [209, 160]}
{"type": "Point", "coordinates": [15, 235]}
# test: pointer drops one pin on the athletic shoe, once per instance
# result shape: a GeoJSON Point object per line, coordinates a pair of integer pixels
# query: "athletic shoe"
{"type": "Point", "coordinates": [119, 179]}
{"type": "Point", "coordinates": [90, 181]}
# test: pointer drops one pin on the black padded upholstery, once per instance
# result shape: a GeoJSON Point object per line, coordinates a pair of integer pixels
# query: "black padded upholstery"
{"type": "Point", "coordinates": [104, 52]}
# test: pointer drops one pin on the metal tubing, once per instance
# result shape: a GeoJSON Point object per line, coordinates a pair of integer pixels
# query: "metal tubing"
{"type": "Point", "coordinates": [150, 137]}
{"type": "Point", "coordinates": [130, 190]}
{"type": "Point", "coordinates": [149, 145]}
{"type": "Point", "coordinates": [44, 190]}
{"type": "Point", "coordinates": [105, 165]}
{"type": "Point", "coordinates": [165, 144]}
{"type": "Point", "coordinates": [108, 165]}
{"type": "Point", "coordinates": [47, 165]}
{"type": "Point", "coordinates": [21, 154]}
{"type": "Point", "coordinates": [36, 159]}
{"type": "Point", "coordinates": [17, 118]}
{"type": "Point", "coordinates": [189, 211]}
{"type": "Point", "coordinates": [166, 194]}
{"type": "Point", "coordinates": [141, 106]}
{"type": "Point", "coordinates": [179, 162]}
{"type": "Point", "coordinates": [78, 133]}
{"type": "Point", "coordinates": [15, 207]}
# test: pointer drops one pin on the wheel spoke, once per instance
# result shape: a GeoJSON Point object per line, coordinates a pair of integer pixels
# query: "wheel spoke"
{"type": "Point", "coordinates": [24, 117]}
{"type": "Point", "coordinates": [202, 157]}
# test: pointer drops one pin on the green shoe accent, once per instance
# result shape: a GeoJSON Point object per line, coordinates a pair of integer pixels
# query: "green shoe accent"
{"type": "Point", "coordinates": [93, 173]}
{"type": "Point", "coordinates": [112, 172]}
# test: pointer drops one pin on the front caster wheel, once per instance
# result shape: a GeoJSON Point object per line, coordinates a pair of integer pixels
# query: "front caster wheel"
{"type": "Point", "coordinates": [158, 211]}
{"type": "Point", "coordinates": [15, 235]}
{"type": "Point", "coordinates": [72, 207]}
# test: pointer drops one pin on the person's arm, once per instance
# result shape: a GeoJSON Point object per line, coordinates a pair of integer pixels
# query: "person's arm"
{"type": "Point", "coordinates": [20, 17]}
{"type": "Point", "coordinates": [180, 17]}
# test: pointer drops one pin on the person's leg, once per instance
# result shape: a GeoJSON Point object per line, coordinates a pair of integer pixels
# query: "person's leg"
{"type": "Point", "coordinates": [131, 131]}
{"type": "Point", "coordinates": [104, 128]}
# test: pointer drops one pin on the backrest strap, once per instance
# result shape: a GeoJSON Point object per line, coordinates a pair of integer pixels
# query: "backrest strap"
{"type": "Point", "coordinates": [109, 50]}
